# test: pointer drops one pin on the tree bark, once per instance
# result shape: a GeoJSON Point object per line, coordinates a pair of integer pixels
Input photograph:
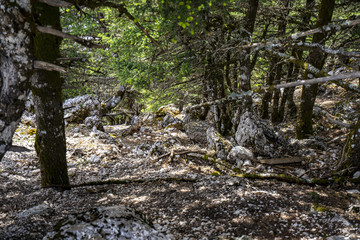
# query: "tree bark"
{"type": "Point", "coordinates": [50, 141]}
{"type": "Point", "coordinates": [15, 67]}
{"type": "Point", "coordinates": [245, 63]}
{"type": "Point", "coordinates": [317, 59]}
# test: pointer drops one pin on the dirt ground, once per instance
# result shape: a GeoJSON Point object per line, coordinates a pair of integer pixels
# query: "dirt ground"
{"type": "Point", "coordinates": [185, 196]}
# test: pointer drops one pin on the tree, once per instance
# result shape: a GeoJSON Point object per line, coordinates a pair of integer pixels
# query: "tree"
{"type": "Point", "coordinates": [46, 87]}
{"type": "Point", "coordinates": [317, 59]}
{"type": "Point", "coordinates": [16, 64]}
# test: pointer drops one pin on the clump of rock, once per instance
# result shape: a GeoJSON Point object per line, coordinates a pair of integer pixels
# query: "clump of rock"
{"type": "Point", "coordinates": [114, 222]}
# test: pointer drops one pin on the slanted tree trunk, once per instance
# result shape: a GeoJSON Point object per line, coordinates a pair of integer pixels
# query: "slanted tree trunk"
{"type": "Point", "coordinates": [317, 59]}
{"type": "Point", "coordinates": [349, 161]}
{"type": "Point", "coordinates": [15, 66]}
{"type": "Point", "coordinates": [50, 141]}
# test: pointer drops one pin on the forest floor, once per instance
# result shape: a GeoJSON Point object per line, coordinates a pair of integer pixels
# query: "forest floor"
{"type": "Point", "coordinates": [185, 196]}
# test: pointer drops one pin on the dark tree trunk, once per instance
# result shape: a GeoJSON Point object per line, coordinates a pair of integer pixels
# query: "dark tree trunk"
{"type": "Point", "coordinates": [50, 141]}
{"type": "Point", "coordinates": [245, 62]}
{"type": "Point", "coordinates": [293, 69]}
{"type": "Point", "coordinates": [317, 59]}
{"type": "Point", "coordinates": [15, 67]}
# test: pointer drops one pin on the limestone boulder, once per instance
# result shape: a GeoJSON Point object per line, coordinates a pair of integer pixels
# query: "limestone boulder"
{"type": "Point", "coordinates": [258, 135]}
{"type": "Point", "coordinates": [218, 143]}
{"type": "Point", "coordinates": [114, 222]}
{"type": "Point", "coordinates": [239, 154]}
{"type": "Point", "coordinates": [196, 131]}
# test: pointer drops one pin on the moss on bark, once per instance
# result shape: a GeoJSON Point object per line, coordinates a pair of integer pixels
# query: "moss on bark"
{"type": "Point", "coordinates": [46, 86]}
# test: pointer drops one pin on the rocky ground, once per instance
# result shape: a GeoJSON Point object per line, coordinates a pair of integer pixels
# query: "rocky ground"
{"type": "Point", "coordinates": [184, 194]}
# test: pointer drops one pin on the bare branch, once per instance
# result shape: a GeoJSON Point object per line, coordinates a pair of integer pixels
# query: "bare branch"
{"type": "Point", "coordinates": [339, 52]}
{"type": "Point", "coordinates": [326, 28]}
{"type": "Point", "coordinates": [277, 42]}
{"type": "Point", "coordinates": [350, 75]}
{"type": "Point", "coordinates": [48, 66]}
{"type": "Point", "coordinates": [330, 117]}
{"type": "Point", "coordinates": [56, 3]}
{"type": "Point", "coordinates": [58, 33]}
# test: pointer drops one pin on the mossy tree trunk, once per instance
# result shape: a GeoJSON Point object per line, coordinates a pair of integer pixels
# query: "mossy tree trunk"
{"type": "Point", "coordinates": [50, 141]}
{"type": "Point", "coordinates": [349, 161]}
{"type": "Point", "coordinates": [317, 59]}
{"type": "Point", "coordinates": [16, 54]}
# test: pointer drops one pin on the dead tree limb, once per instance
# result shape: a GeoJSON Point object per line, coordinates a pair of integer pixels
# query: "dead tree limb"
{"type": "Point", "coordinates": [61, 34]}
{"type": "Point", "coordinates": [350, 75]}
{"type": "Point", "coordinates": [56, 3]}
{"type": "Point", "coordinates": [48, 66]}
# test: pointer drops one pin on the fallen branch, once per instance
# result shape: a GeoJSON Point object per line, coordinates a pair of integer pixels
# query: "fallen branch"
{"type": "Point", "coordinates": [331, 119]}
{"type": "Point", "coordinates": [182, 152]}
{"type": "Point", "coordinates": [297, 180]}
{"type": "Point", "coordinates": [279, 161]}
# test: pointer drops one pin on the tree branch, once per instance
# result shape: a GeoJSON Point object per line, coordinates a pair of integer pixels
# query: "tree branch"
{"type": "Point", "coordinates": [326, 28]}
{"type": "Point", "coordinates": [350, 75]}
{"type": "Point", "coordinates": [56, 3]}
{"type": "Point", "coordinates": [58, 33]}
{"type": "Point", "coordinates": [48, 66]}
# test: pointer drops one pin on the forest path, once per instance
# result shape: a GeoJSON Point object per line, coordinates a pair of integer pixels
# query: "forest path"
{"type": "Point", "coordinates": [215, 206]}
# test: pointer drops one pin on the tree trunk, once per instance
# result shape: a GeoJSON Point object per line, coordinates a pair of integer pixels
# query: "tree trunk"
{"type": "Point", "coordinates": [293, 69]}
{"type": "Point", "coordinates": [245, 63]}
{"type": "Point", "coordinates": [317, 59]}
{"type": "Point", "coordinates": [50, 141]}
{"type": "Point", "coordinates": [15, 66]}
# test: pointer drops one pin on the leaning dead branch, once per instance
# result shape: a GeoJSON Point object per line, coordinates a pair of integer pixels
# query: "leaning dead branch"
{"type": "Point", "coordinates": [48, 66]}
{"type": "Point", "coordinates": [56, 3]}
{"type": "Point", "coordinates": [61, 34]}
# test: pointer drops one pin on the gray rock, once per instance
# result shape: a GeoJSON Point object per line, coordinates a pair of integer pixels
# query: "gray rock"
{"type": "Point", "coordinates": [243, 237]}
{"type": "Point", "coordinates": [257, 135]}
{"type": "Point", "coordinates": [308, 143]}
{"type": "Point", "coordinates": [115, 222]}
{"type": "Point", "coordinates": [42, 209]}
{"type": "Point", "coordinates": [356, 174]}
{"type": "Point", "coordinates": [157, 149]}
{"type": "Point", "coordinates": [239, 153]}
{"type": "Point", "coordinates": [83, 109]}
{"type": "Point", "coordinates": [196, 131]}
{"type": "Point", "coordinates": [247, 163]}
{"type": "Point", "coordinates": [94, 159]}
{"type": "Point", "coordinates": [218, 143]}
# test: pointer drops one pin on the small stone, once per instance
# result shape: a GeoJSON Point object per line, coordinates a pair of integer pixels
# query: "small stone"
{"type": "Point", "coordinates": [247, 163]}
{"type": "Point", "coordinates": [356, 174]}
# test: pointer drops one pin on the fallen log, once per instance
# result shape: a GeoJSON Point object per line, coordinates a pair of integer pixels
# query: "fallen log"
{"type": "Point", "coordinates": [281, 161]}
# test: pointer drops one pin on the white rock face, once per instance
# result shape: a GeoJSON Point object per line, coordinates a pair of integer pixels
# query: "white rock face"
{"type": "Point", "coordinates": [114, 222]}
{"type": "Point", "coordinates": [239, 153]}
